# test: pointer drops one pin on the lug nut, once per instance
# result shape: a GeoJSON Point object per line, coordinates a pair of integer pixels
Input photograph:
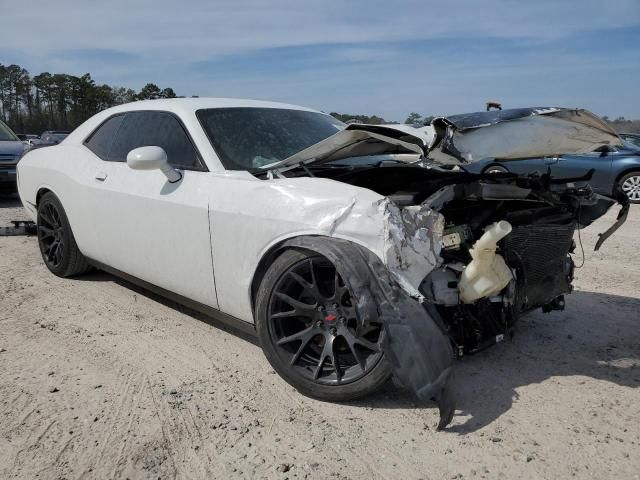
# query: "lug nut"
{"type": "Point", "coordinates": [334, 332]}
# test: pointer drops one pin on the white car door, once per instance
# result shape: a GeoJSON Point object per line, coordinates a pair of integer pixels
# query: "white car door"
{"type": "Point", "coordinates": [143, 225]}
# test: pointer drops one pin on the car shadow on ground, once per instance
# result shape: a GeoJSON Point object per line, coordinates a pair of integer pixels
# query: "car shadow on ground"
{"type": "Point", "coordinates": [597, 336]}
{"type": "Point", "coordinates": [100, 276]}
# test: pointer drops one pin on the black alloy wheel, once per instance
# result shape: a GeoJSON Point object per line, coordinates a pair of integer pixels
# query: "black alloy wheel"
{"type": "Point", "coordinates": [57, 244]}
{"type": "Point", "coordinates": [311, 333]}
{"type": "Point", "coordinates": [51, 235]}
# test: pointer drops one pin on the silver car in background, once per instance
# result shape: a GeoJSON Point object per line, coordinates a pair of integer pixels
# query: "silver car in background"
{"type": "Point", "coordinates": [11, 150]}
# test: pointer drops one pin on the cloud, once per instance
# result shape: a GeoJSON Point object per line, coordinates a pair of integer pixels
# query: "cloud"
{"type": "Point", "coordinates": [361, 55]}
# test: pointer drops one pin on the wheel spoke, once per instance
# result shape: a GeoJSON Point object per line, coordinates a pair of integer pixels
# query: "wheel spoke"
{"type": "Point", "coordinates": [363, 331]}
{"type": "Point", "coordinates": [290, 314]}
{"type": "Point", "coordinates": [318, 369]}
{"type": "Point", "coordinates": [354, 352]}
{"type": "Point", "coordinates": [374, 347]}
{"type": "Point", "coordinates": [47, 249]}
{"type": "Point", "coordinates": [45, 232]}
{"type": "Point", "coordinates": [55, 215]}
{"type": "Point", "coordinates": [297, 304]}
{"type": "Point", "coordinates": [44, 215]}
{"type": "Point", "coordinates": [58, 254]}
{"type": "Point", "coordinates": [314, 281]}
{"type": "Point", "coordinates": [301, 335]}
{"type": "Point", "coordinates": [339, 291]}
{"type": "Point", "coordinates": [303, 344]}
{"type": "Point", "coordinates": [334, 361]}
{"type": "Point", "coordinates": [310, 288]}
{"type": "Point", "coordinates": [52, 215]}
{"type": "Point", "coordinates": [50, 251]}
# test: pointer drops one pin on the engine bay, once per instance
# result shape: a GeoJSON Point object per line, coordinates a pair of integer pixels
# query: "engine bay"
{"type": "Point", "coordinates": [541, 215]}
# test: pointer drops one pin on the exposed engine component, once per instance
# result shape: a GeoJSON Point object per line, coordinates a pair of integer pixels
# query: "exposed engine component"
{"type": "Point", "coordinates": [540, 256]}
{"type": "Point", "coordinates": [454, 236]}
{"type": "Point", "coordinates": [441, 286]}
{"type": "Point", "coordinates": [487, 274]}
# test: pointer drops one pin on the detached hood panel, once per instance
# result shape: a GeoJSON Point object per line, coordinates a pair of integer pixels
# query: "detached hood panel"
{"type": "Point", "coordinates": [467, 138]}
{"type": "Point", "coordinates": [518, 133]}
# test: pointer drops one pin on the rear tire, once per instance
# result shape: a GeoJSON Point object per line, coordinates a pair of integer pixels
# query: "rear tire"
{"type": "Point", "coordinates": [55, 238]}
{"type": "Point", "coordinates": [630, 186]}
{"type": "Point", "coordinates": [306, 322]}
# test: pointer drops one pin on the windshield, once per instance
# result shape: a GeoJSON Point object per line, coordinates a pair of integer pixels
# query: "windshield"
{"type": "Point", "coordinates": [631, 142]}
{"type": "Point", "coordinates": [248, 138]}
{"type": "Point", "coordinates": [6, 134]}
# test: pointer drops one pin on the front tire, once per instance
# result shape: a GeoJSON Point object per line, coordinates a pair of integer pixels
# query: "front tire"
{"type": "Point", "coordinates": [309, 331]}
{"type": "Point", "coordinates": [630, 185]}
{"type": "Point", "coordinates": [55, 238]}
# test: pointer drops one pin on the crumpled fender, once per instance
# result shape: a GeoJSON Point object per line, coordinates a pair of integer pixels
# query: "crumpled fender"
{"type": "Point", "coordinates": [418, 351]}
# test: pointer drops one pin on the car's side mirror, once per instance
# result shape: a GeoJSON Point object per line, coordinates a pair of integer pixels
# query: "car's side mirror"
{"type": "Point", "coordinates": [152, 158]}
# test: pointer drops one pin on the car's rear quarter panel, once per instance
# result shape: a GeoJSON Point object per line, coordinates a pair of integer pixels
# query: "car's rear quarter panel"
{"type": "Point", "coordinates": [63, 170]}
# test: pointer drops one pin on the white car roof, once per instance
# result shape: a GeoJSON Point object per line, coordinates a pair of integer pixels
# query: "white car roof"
{"type": "Point", "coordinates": [197, 103]}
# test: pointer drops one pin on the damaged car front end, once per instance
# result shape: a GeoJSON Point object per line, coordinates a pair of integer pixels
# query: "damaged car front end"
{"type": "Point", "coordinates": [454, 258]}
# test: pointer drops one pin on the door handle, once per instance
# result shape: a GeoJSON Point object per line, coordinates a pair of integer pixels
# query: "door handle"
{"type": "Point", "coordinates": [101, 176]}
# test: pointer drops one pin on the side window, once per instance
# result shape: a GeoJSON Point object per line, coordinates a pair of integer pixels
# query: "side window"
{"type": "Point", "coordinates": [100, 140]}
{"type": "Point", "coordinates": [141, 129]}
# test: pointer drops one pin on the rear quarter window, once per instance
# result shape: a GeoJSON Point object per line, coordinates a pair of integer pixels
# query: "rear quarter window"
{"type": "Point", "coordinates": [102, 138]}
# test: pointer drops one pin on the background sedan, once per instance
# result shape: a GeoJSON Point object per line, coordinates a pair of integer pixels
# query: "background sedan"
{"type": "Point", "coordinates": [613, 166]}
{"type": "Point", "coordinates": [49, 138]}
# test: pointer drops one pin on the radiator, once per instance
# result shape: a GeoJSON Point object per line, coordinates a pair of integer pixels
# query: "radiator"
{"type": "Point", "coordinates": [539, 254]}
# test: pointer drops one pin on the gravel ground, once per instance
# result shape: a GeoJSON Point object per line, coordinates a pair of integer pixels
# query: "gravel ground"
{"type": "Point", "coordinates": [99, 379]}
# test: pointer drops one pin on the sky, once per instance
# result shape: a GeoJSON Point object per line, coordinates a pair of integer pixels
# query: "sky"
{"type": "Point", "coordinates": [357, 56]}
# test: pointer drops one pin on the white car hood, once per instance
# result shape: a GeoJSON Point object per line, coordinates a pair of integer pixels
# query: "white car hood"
{"type": "Point", "coordinates": [467, 138]}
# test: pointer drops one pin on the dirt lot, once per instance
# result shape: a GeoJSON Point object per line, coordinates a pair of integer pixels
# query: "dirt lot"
{"type": "Point", "coordinates": [99, 379]}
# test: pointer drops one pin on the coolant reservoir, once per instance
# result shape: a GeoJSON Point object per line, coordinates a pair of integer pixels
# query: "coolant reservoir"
{"type": "Point", "coordinates": [487, 273]}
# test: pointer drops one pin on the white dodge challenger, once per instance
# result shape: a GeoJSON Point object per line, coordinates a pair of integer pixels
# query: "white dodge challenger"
{"type": "Point", "coordinates": [353, 252]}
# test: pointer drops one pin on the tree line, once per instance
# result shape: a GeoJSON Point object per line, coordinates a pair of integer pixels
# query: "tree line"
{"type": "Point", "coordinates": [412, 119]}
{"type": "Point", "coordinates": [59, 101]}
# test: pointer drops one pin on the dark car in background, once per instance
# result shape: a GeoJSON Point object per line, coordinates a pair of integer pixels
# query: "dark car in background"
{"type": "Point", "coordinates": [27, 138]}
{"type": "Point", "coordinates": [11, 150]}
{"type": "Point", "coordinates": [49, 138]}
{"type": "Point", "coordinates": [613, 167]}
